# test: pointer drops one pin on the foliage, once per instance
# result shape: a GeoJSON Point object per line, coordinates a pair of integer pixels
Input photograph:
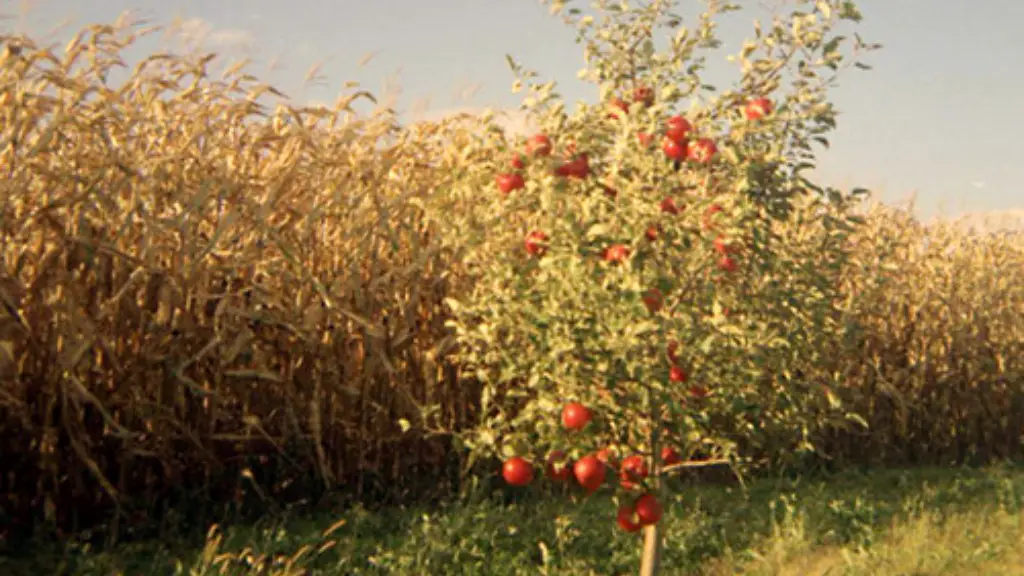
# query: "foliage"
{"type": "Point", "coordinates": [731, 256]}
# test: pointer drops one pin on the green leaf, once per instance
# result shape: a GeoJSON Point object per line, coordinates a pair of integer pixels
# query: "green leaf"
{"type": "Point", "coordinates": [708, 343]}
{"type": "Point", "coordinates": [597, 230]}
{"type": "Point", "coordinates": [825, 9]}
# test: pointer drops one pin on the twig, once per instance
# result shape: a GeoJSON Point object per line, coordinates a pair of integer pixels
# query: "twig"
{"type": "Point", "coordinates": [695, 464]}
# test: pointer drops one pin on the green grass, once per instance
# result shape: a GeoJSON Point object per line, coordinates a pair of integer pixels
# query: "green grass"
{"type": "Point", "coordinates": [926, 521]}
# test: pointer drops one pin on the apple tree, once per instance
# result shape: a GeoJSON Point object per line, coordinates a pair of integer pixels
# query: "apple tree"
{"type": "Point", "coordinates": [654, 273]}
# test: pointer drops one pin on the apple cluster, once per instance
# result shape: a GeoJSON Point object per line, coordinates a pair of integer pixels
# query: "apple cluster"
{"type": "Point", "coordinates": [590, 472]}
{"type": "Point", "coordinates": [677, 146]}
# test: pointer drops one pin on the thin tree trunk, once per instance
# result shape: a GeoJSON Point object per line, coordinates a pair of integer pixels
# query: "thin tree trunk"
{"type": "Point", "coordinates": [651, 559]}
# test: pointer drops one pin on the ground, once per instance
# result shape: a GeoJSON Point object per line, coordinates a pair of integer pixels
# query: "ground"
{"type": "Point", "coordinates": [900, 522]}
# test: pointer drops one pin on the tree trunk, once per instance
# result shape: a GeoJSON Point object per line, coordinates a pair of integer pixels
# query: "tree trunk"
{"type": "Point", "coordinates": [651, 559]}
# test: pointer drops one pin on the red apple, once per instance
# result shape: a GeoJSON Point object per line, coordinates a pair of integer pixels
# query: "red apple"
{"type": "Point", "coordinates": [558, 468]}
{"type": "Point", "coordinates": [669, 456]}
{"type": "Point", "coordinates": [758, 108]}
{"type": "Point", "coordinates": [644, 139]}
{"type": "Point", "coordinates": [620, 105]}
{"type": "Point", "coordinates": [536, 243]}
{"type": "Point", "coordinates": [673, 150]}
{"type": "Point", "coordinates": [678, 129]}
{"type": "Point", "coordinates": [616, 253]}
{"type": "Point", "coordinates": [627, 518]}
{"type": "Point", "coordinates": [517, 471]}
{"type": "Point", "coordinates": [644, 94]}
{"type": "Point", "coordinates": [648, 509]}
{"type": "Point", "coordinates": [668, 205]}
{"type": "Point", "coordinates": [653, 300]}
{"type": "Point", "coordinates": [589, 472]}
{"type": "Point", "coordinates": [575, 416]}
{"type": "Point", "coordinates": [706, 222]}
{"type": "Point", "coordinates": [517, 162]}
{"type": "Point", "coordinates": [727, 264]}
{"type": "Point", "coordinates": [608, 457]}
{"type": "Point", "coordinates": [677, 374]}
{"type": "Point", "coordinates": [509, 182]}
{"type": "Point", "coordinates": [538, 145]}
{"type": "Point", "coordinates": [578, 168]}
{"type": "Point", "coordinates": [672, 349]}
{"type": "Point", "coordinates": [633, 471]}
{"type": "Point", "coordinates": [701, 151]}
{"type": "Point", "coordinates": [723, 247]}
{"type": "Point", "coordinates": [652, 233]}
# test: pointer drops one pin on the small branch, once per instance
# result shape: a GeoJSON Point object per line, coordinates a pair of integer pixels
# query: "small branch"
{"type": "Point", "coordinates": [696, 464]}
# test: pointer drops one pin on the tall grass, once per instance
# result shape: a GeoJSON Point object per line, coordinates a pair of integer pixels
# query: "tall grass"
{"type": "Point", "coordinates": [208, 297]}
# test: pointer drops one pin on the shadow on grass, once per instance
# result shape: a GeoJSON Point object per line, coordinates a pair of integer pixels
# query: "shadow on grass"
{"type": "Point", "coordinates": [543, 531]}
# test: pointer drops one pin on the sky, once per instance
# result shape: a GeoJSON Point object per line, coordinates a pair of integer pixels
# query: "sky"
{"type": "Point", "coordinates": [938, 116]}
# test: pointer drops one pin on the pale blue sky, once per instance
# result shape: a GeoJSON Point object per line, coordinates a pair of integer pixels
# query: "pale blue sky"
{"type": "Point", "coordinates": [940, 113]}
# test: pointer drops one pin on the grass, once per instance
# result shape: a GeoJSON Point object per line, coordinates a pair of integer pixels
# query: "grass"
{"type": "Point", "coordinates": [917, 522]}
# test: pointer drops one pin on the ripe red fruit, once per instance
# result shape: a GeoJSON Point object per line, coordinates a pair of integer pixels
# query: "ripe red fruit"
{"type": "Point", "coordinates": [701, 151]}
{"type": "Point", "coordinates": [677, 374]}
{"type": "Point", "coordinates": [653, 299]}
{"type": "Point", "coordinates": [517, 162]}
{"type": "Point", "coordinates": [643, 94]}
{"type": "Point", "coordinates": [758, 108]}
{"type": "Point", "coordinates": [538, 145]}
{"type": "Point", "coordinates": [669, 456]}
{"type": "Point", "coordinates": [727, 264]}
{"type": "Point", "coordinates": [698, 391]}
{"type": "Point", "coordinates": [672, 349]}
{"type": "Point", "coordinates": [620, 104]}
{"type": "Point", "coordinates": [616, 253]}
{"type": "Point", "coordinates": [558, 468]}
{"type": "Point", "coordinates": [644, 138]}
{"type": "Point", "coordinates": [627, 518]}
{"type": "Point", "coordinates": [673, 150]}
{"type": "Point", "coordinates": [678, 129]}
{"type": "Point", "coordinates": [575, 416]}
{"type": "Point", "coordinates": [668, 205]}
{"type": "Point", "coordinates": [578, 168]}
{"type": "Point", "coordinates": [536, 243]}
{"type": "Point", "coordinates": [706, 221]}
{"type": "Point", "coordinates": [608, 457]}
{"type": "Point", "coordinates": [723, 247]}
{"type": "Point", "coordinates": [648, 509]}
{"type": "Point", "coordinates": [509, 182]}
{"type": "Point", "coordinates": [633, 470]}
{"type": "Point", "coordinates": [589, 473]}
{"type": "Point", "coordinates": [652, 233]}
{"type": "Point", "coordinates": [517, 471]}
